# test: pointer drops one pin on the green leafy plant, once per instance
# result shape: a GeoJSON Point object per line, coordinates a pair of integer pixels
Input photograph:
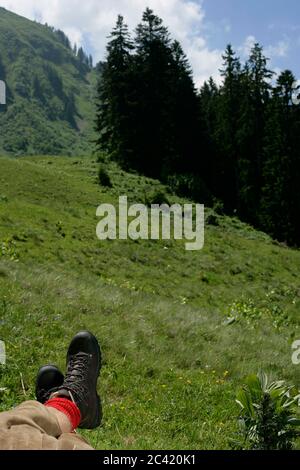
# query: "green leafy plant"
{"type": "Point", "coordinates": [104, 178]}
{"type": "Point", "coordinates": [252, 311]}
{"type": "Point", "coordinates": [59, 228]}
{"type": "Point", "coordinates": [8, 249]}
{"type": "Point", "coordinates": [268, 419]}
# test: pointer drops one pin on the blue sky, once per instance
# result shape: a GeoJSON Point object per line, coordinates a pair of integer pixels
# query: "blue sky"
{"type": "Point", "coordinates": [274, 23]}
{"type": "Point", "coordinates": [204, 27]}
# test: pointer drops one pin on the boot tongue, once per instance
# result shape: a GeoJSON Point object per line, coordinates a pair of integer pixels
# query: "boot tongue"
{"type": "Point", "coordinates": [63, 393]}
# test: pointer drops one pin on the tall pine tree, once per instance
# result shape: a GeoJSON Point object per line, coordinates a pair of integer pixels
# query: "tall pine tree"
{"type": "Point", "coordinates": [113, 109]}
{"type": "Point", "coordinates": [152, 66]}
{"type": "Point", "coordinates": [227, 125]}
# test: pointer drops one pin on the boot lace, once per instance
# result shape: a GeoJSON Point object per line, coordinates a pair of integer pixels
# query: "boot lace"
{"type": "Point", "coordinates": [76, 377]}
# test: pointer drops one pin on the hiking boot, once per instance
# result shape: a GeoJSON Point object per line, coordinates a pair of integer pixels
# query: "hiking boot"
{"type": "Point", "coordinates": [80, 384]}
{"type": "Point", "coordinates": [48, 379]}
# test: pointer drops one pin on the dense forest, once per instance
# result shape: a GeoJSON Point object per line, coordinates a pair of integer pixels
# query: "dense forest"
{"type": "Point", "coordinates": [235, 146]}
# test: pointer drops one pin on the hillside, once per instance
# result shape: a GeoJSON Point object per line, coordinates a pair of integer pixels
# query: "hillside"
{"type": "Point", "coordinates": [50, 91]}
{"type": "Point", "coordinates": [172, 360]}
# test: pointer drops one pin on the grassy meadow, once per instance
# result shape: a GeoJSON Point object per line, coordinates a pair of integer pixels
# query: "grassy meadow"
{"type": "Point", "coordinates": [179, 329]}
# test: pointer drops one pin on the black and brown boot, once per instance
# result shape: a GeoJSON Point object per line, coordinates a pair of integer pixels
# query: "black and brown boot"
{"type": "Point", "coordinates": [48, 379]}
{"type": "Point", "coordinates": [80, 383]}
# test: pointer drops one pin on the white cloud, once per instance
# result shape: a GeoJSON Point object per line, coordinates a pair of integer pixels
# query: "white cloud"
{"type": "Point", "coordinates": [247, 45]}
{"type": "Point", "coordinates": [277, 71]}
{"type": "Point", "coordinates": [90, 22]}
{"type": "Point", "coordinates": [272, 52]}
{"type": "Point", "coordinates": [278, 50]}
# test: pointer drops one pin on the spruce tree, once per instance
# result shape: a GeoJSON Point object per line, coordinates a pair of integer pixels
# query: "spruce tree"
{"type": "Point", "coordinates": [153, 89]}
{"type": "Point", "coordinates": [228, 117]}
{"type": "Point", "coordinates": [255, 94]}
{"type": "Point", "coordinates": [183, 114]}
{"type": "Point", "coordinates": [113, 110]}
{"type": "Point", "coordinates": [273, 210]}
{"type": "Point", "coordinates": [281, 175]}
{"type": "Point", "coordinates": [238, 142]}
{"type": "Point", "coordinates": [208, 115]}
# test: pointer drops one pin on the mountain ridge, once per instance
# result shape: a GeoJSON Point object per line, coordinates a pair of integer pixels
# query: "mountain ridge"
{"type": "Point", "coordinates": [49, 90]}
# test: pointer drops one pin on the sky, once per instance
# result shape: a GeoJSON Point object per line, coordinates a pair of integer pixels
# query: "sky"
{"type": "Point", "coordinates": [204, 27]}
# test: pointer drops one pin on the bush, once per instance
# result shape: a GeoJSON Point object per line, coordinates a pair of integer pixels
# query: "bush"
{"type": "Point", "coordinates": [190, 186]}
{"type": "Point", "coordinates": [212, 219]}
{"type": "Point", "coordinates": [218, 206]}
{"type": "Point", "coordinates": [156, 196]}
{"type": "Point", "coordinates": [104, 178]}
{"type": "Point", "coordinates": [268, 417]}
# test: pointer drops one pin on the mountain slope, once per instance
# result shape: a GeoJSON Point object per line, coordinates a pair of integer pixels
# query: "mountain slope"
{"type": "Point", "coordinates": [172, 360]}
{"type": "Point", "coordinates": [49, 90]}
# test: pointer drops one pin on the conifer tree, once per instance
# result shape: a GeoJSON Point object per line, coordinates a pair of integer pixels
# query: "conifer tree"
{"type": "Point", "coordinates": [114, 129]}
{"type": "Point", "coordinates": [228, 117]}
{"type": "Point", "coordinates": [183, 114]}
{"type": "Point", "coordinates": [281, 172]}
{"type": "Point", "coordinates": [255, 94]}
{"type": "Point", "coordinates": [153, 73]}
{"type": "Point", "coordinates": [208, 114]}
{"type": "Point", "coordinates": [237, 142]}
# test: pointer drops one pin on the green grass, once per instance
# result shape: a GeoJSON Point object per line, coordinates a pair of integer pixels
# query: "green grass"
{"type": "Point", "coordinates": [172, 362]}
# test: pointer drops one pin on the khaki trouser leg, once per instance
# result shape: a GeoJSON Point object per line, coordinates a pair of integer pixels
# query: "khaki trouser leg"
{"type": "Point", "coordinates": [32, 426]}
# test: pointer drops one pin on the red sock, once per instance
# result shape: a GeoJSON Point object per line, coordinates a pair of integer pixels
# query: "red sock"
{"type": "Point", "coordinates": [68, 408]}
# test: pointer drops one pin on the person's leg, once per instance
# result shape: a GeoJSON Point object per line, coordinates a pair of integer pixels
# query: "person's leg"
{"type": "Point", "coordinates": [63, 420]}
{"type": "Point", "coordinates": [33, 425]}
{"type": "Point", "coordinates": [69, 439]}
